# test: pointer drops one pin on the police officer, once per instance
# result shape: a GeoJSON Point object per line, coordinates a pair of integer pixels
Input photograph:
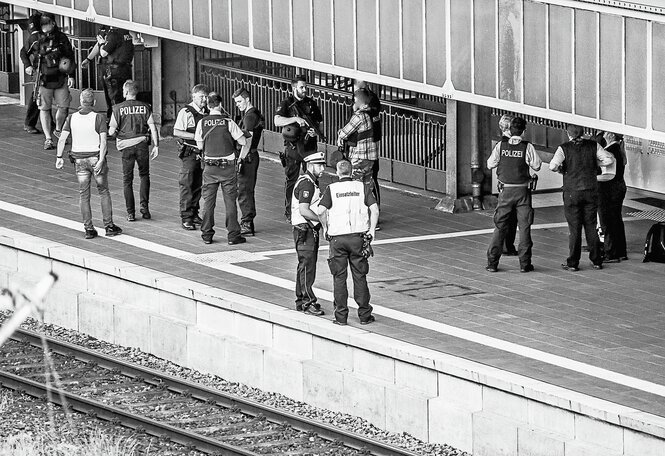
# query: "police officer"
{"type": "Point", "coordinates": [300, 138]}
{"type": "Point", "coordinates": [251, 120]}
{"type": "Point", "coordinates": [306, 225]}
{"type": "Point", "coordinates": [57, 69]}
{"type": "Point", "coordinates": [28, 54]}
{"type": "Point", "coordinates": [578, 161]}
{"type": "Point", "coordinates": [191, 175]}
{"type": "Point", "coordinates": [349, 213]}
{"type": "Point", "coordinates": [512, 159]}
{"type": "Point", "coordinates": [116, 49]}
{"type": "Point", "coordinates": [216, 136]}
{"type": "Point", "coordinates": [133, 125]}
{"type": "Point", "coordinates": [511, 232]}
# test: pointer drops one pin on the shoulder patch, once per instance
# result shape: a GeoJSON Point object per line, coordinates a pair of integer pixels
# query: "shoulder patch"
{"type": "Point", "coordinates": [305, 194]}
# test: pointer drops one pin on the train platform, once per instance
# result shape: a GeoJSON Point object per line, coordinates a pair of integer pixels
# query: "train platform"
{"type": "Point", "coordinates": [594, 332]}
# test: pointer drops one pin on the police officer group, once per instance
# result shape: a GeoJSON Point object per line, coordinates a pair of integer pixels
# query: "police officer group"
{"type": "Point", "coordinates": [591, 191]}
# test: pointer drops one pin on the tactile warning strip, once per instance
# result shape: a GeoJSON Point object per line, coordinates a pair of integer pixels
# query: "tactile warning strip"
{"type": "Point", "coordinates": [231, 257]}
{"type": "Point", "coordinates": [657, 215]}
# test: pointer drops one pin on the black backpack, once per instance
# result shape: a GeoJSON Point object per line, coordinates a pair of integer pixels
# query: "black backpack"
{"type": "Point", "coordinates": [654, 246]}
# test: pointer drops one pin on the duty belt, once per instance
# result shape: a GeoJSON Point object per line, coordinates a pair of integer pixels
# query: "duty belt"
{"type": "Point", "coordinates": [221, 162]}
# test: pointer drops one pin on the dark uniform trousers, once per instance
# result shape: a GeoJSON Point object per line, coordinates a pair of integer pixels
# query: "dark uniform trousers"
{"type": "Point", "coordinates": [519, 200]}
{"type": "Point", "coordinates": [140, 155]}
{"type": "Point", "coordinates": [213, 177]}
{"type": "Point", "coordinates": [610, 201]}
{"type": "Point", "coordinates": [247, 186]}
{"type": "Point", "coordinates": [579, 207]}
{"type": "Point", "coordinates": [345, 252]}
{"type": "Point", "coordinates": [307, 249]}
{"type": "Point", "coordinates": [292, 168]}
{"type": "Point", "coordinates": [190, 180]}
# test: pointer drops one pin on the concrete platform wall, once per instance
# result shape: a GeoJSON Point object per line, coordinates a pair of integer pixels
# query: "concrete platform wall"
{"type": "Point", "coordinates": [395, 385]}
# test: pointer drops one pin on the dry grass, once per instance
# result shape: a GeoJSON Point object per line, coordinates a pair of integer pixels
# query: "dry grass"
{"type": "Point", "coordinates": [44, 444]}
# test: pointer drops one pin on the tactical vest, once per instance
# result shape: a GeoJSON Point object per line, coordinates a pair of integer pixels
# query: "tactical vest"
{"type": "Point", "coordinates": [580, 164]}
{"type": "Point", "coordinates": [132, 117]}
{"type": "Point", "coordinates": [357, 136]}
{"type": "Point", "coordinates": [296, 217]}
{"type": "Point", "coordinates": [348, 213]}
{"type": "Point", "coordinates": [197, 117]}
{"type": "Point", "coordinates": [512, 168]}
{"type": "Point", "coordinates": [217, 140]}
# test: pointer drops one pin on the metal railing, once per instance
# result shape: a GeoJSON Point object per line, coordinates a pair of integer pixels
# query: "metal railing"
{"type": "Point", "coordinates": [414, 136]}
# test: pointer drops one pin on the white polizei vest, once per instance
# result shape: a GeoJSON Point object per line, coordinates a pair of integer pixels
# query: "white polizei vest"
{"type": "Point", "coordinates": [296, 217]}
{"type": "Point", "coordinates": [84, 136]}
{"type": "Point", "coordinates": [348, 213]}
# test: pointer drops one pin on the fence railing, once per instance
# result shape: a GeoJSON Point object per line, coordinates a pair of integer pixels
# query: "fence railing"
{"type": "Point", "coordinates": [414, 136]}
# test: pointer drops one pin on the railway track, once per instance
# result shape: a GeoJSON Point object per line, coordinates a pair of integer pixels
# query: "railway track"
{"type": "Point", "coordinates": [183, 412]}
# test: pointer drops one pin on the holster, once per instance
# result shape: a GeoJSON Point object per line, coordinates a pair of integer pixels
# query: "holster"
{"type": "Point", "coordinates": [71, 157]}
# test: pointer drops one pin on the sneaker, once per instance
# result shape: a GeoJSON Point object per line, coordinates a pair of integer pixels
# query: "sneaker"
{"type": "Point", "coordinates": [91, 234]}
{"type": "Point", "coordinates": [31, 130]}
{"type": "Point", "coordinates": [527, 268]}
{"type": "Point", "coordinates": [238, 240]}
{"type": "Point", "coordinates": [611, 260]}
{"type": "Point", "coordinates": [597, 266]}
{"type": "Point", "coordinates": [197, 220]}
{"type": "Point", "coordinates": [113, 230]}
{"type": "Point", "coordinates": [57, 133]}
{"type": "Point", "coordinates": [339, 323]}
{"type": "Point", "coordinates": [145, 213]}
{"type": "Point", "coordinates": [314, 310]}
{"type": "Point", "coordinates": [131, 218]}
{"type": "Point", "coordinates": [207, 240]}
{"type": "Point", "coordinates": [565, 267]}
{"type": "Point", "coordinates": [368, 320]}
{"type": "Point", "coordinates": [188, 226]}
{"type": "Point", "coordinates": [48, 145]}
{"type": "Point", "coordinates": [247, 228]}
{"type": "Point", "coordinates": [490, 268]}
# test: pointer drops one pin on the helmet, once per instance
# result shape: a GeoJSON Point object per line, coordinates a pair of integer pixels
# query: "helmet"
{"type": "Point", "coordinates": [65, 65]}
{"type": "Point", "coordinates": [291, 132]}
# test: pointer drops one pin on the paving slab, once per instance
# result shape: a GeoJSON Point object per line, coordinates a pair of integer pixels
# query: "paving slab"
{"type": "Point", "coordinates": [595, 332]}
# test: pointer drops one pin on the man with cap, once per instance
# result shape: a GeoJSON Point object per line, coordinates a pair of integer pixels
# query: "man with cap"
{"type": "Point", "coordinates": [511, 231]}
{"type": "Point", "coordinates": [57, 69]}
{"type": "Point", "coordinates": [349, 213]}
{"type": "Point", "coordinates": [513, 159]}
{"type": "Point", "coordinates": [216, 136]}
{"type": "Point", "coordinates": [306, 225]}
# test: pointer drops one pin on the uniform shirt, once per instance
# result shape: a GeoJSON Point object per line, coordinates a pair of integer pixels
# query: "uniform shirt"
{"type": "Point", "coordinates": [220, 142]}
{"type": "Point", "coordinates": [186, 121]}
{"type": "Point", "coordinates": [119, 47]}
{"type": "Point", "coordinates": [85, 126]}
{"type": "Point", "coordinates": [252, 121]}
{"type": "Point", "coordinates": [132, 119]}
{"type": "Point", "coordinates": [348, 203]}
{"type": "Point", "coordinates": [581, 177]}
{"type": "Point", "coordinates": [365, 149]}
{"type": "Point", "coordinates": [306, 106]}
{"type": "Point", "coordinates": [307, 191]}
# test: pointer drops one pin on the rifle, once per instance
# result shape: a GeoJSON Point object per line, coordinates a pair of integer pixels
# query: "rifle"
{"type": "Point", "coordinates": [308, 120]}
{"type": "Point", "coordinates": [38, 77]}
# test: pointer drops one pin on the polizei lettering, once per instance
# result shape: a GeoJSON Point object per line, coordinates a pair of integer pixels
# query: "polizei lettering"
{"type": "Point", "coordinates": [135, 109]}
{"type": "Point", "coordinates": [346, 194]}
{"type": "Point", "coordinates": [213, 122]}
{"type": "Point", "coordinates": [511, 153]}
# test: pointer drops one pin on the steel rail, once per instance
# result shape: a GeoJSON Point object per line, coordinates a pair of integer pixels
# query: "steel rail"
{"type": "Point", "coordinates": [119, 416]}
{"type": "Point", "coordinates": [203, 393]}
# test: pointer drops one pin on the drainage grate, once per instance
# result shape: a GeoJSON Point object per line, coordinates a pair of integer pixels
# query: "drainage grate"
{"type": "Point", "coordinates": [657, 215]}
{"type": "Point", "coordinates": [234, 256]}
{"type": "Point", "coordinates": [425, 288]}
